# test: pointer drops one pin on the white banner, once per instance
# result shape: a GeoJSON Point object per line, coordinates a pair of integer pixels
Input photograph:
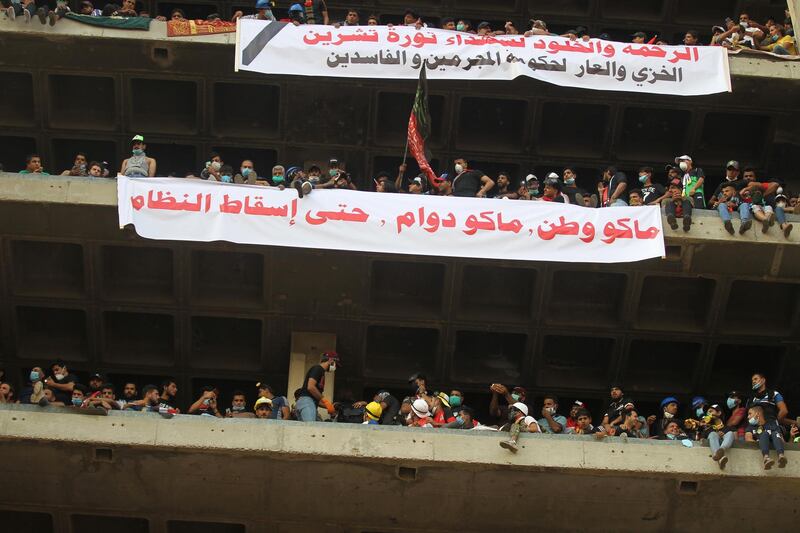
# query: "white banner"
{"type": "Point", "coordinates": [195, 210]}
{"type": "Point", "coordinates": [399, 52]}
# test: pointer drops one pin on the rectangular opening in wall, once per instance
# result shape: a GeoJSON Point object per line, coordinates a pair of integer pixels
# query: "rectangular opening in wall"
{"type": "Point", "coordinates": [17, 87]}
{"type": "Point", "coordinates": [143, 338]}
{"type": "Point", "coordinates": [226, 343]}
{"type": "Point", "coordinates": [397, 352]}
{"type": "Point", "coordinates": [44, 331]}
{"type": "Point", "coordinates": [137, 273]}
{"type": "Point", "coordinates": [401, 287]}
{"type": "Point", "coordinates": [632, 9]}
{"type": "Point", "coordinates": [227, 277]}
{"type": "Point", "coordinates": [181, 526]}
{"type": "Point", "coordinates": [65, 150]}
{"type": "Point", "coordinates": [391, 120]}
{"type": "Point", "coordinates": [174, 159]}
{"type": "Point", "coordinates": [14, 150]}
{"type": "Point", "coordinates": [82, 102]}
{"type": "Point", "coordinates": [735, 363]}
{"type": "Point", "coordinates": [246, 109]}
{"type": "Point", "coordinates": [339, 115]}
{"type": "Point", "coordinates": [644, 372]}
{"type": "Point", "coordinates": [707, 12]}
{"type": "Point", "coordinates": [653, 134]}
{"type": "Point", "coordinates": [714, 146]}
{"type": "Point", "coordinates": [674, 303]}
{"type": "Point", "coordinates": [775, 318]}
{"type": "Point", "coordinates": [586, 298]}
{"type": "Point", "coordinates": [164, 106]}
{"type": "Point", "coordinates": [52, 269]}
{"type": "Point", "coordinates": [117, 524]}
{"type": "Point", "coordinates": [502, 124]}
{"type": "Point", "coordinates": [493, 356]}
{"type": "Point", "coordinates": [575, 362]}
{"type": "Point", "coordinates": [560, 121]}
{"type": "Point", "coordinates": [561, 8]}
{"type": "Point", "coordinates": [493, 292]}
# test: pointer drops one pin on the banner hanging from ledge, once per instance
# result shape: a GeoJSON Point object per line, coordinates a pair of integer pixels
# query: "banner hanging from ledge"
{"type": "Point", "coordinates": [193, 210]}
{"type": "Point", "coordinates": [398, 52]}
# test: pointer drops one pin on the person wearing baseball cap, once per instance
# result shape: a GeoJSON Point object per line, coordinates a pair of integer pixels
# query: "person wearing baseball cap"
{"type": "Point", "coordinates": [669, 413]}
{"type": "Point", "coordinates": [572, 419]}
{"type": "Point", "coordinates": [529, 188]}
{"type": "Point", "coordinates": [263, 408]}
{"type": "Point", "coordinates": [733, 177]}
{"type": "Point", "coordinates": [693, 180]}
{"type": "Point", "coordinates": [138, 165]}
{"type": "Point", "coordinates": [420, 414]}
{"type": "Point", "coordinates": [310, 394]}
{"type": "Point", "coordinates": [639, 37]}
{"type": "Point", "coordinates": [372, 413]}
{"type": "Point", "coordinates": [519, 422]}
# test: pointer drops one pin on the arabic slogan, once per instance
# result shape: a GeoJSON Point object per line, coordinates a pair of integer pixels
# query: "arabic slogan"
{"type": "Point", "coordinates": [192, 210]}
{"type": "Point", "coordinates": [399, 52]}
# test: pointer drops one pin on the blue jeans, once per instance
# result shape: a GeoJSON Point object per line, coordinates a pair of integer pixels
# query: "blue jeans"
{"type": "Point", "coordinates": [780, 50]}
{"type": "Point", "coordinates": [780, 215]}
{"type": "Point", "coordinates": [726, 441]}
{"type": "Point", "coordinates": [744, 212]}
{"type": "Point", "coordinates": [618, 203]}
{"type": "Point", "coordinates": [306, 409]}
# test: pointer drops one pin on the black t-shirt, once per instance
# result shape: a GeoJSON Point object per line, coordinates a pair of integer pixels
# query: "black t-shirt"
{"type": "Point", "coordinates": [615, 180]}
{"type": "Point", "coordinates": [739, 184]}
{"type": "Point", "coordinates": [652, 192]}
{"type": "Point", "coordinates": [571, 191]}
{"type": "Point", "coordinates": [318, 373]}
{"type": "Point", "coordinates": [768, 401]}
{"type": "Point", "coordinates": [615, 408]}
{"type": "Point", "coordinates": [64, 396]}
{"type": "Point", "coordinates": [389, 414]}
{"type": "Point", "coordinates": [169, 403]}
{"type": "Point", "coordinates": [468, 183]}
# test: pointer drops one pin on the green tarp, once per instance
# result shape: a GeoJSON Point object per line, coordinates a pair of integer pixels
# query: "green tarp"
{"type": "Point", "coordinates": [120, 23]}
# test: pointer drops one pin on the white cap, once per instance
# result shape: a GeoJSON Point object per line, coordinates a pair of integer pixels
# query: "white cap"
{"type": "Point", "coordinates": [531, 177]}
{"type": "Point", "coordinates": [521, 407]}
{"type": "Point", "coordinates": [682, 158]}
{"type": "Point", "coordinates": [420, 408]}
{"type": "Point", "coordinates": [552, 175]}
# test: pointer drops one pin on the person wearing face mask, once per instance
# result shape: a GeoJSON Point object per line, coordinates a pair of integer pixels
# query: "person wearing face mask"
{"type": "Point", "coordinates": [61, 382]}
{"type": "Point", "coordinates": [78, 395]}
{"type": "Point", "coordinates": [672, 431]}
{"type": "Point", "coordinates": [278, 178]}
{"type": "Point", "coordinates": [720, 436]}
{"type": "Point", "coordinates": [518, 422]}
{"type": "Point", "coordinates": [571, 190]}
{"type": "Point", "coordinates": [694, 423]}
{"type": "Point", "coordinates": [138, 165]}
{"type": "Point", "coordinates": [551, 421]}
{"type": "Point", "coordinates": [779, 43]}
{"type": "Point", "coordinates": [470, 183]}
{"type": "Point", "coordinates": [765, 432]}
{"type": "Point", "coordinates": [238, 408]}
{"type": "Point", "coordinates": [500, 412]}
{"type": "Point", "coordinates": [669, 412]}
{"type": "Point", "coordinates": [465, 419]}
{"type": "Point", "coordinates": [247, 173]}
{"type": "Point", "coordinates": [310, 395]}
{"type": "Point", "coordinates": [34, 392]}
{"type": "Point", "coordinates": [456, 400]}
{"type": "Point", "coordinates": [529, 188]}
{"type": "Point", "coordinates": [771, 401]}
{"type": "Point", "coordinates": [737, 421]}
{"type": "Point", "coordinates": [652, 193]}
{"type": "Point", "coordinates": [692, 181]}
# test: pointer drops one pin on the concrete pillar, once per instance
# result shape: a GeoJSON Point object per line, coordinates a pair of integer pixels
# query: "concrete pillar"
{"type": "Point", "coordinates": [305, 351]}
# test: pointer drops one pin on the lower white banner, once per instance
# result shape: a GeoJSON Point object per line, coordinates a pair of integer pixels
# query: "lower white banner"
{"type": "Point", "coordinates": [194, 210]}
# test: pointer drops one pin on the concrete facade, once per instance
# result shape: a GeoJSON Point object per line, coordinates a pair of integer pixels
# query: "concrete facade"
{"type": "Point", "coordinates": [293, 477]}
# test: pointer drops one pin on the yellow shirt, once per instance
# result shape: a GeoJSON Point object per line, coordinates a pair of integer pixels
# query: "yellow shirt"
{"type": "Point", "coordinates": [787, 42]}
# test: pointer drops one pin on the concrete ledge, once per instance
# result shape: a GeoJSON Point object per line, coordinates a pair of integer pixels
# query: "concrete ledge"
{"type": "Point", "coordinates": [346, 442]}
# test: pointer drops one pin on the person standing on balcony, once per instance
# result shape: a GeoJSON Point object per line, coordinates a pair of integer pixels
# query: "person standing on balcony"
{"type": "Point", "coordinates": [138, 165]}
{"type": "Point", "coordinates": [310, 395]}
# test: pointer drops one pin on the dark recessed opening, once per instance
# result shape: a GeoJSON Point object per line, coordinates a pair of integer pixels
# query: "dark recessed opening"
{"type": "Point", "coordinates": [14, 150]}
{"type": "Point", "coordinates": [134, 273]}
{"type": "Point", "coordinates": [263, 159]}
{"type": "Point", "coordinates": [561, 8]}
{"type": "Point", "coordinates": [389, 164]}
{"type": "Point", "coordinates": [47, 268]}
{"type": "Point", "coordinates": [232, 343]}
{"type": "Point", "coordinates": [493, 293]}
{"type": "Point", "coordinates": [181, 526]}
{"type": "Point", "coordinates": [407, 473]}
{"type": "Point", "coordinates": [26, 522]}
{"type": "Point", "coordinates": [399, 287]}
{"type": "Point", "coordinates": [65, 150]}
{"type": "Point", "coordinates": [560, 121]}
{"type": "Point", "coordinates": [229, 277]}
{"type": "Point", "coordinates": [43, 332]}
{"type": "Point", "coordinates": [160, 53]}
{"type": "Point", "coordinates": [688, 487]}
{"type": "Point", "coordinates": [193, 11]}
{"type": "Point", "coordinates": [714, 146]}
{"type": "Point", "coordinates": [774, 319]}
{"type": "Point", "coordinates": [246, 109]}
{"type": "Point", "coordinates": [339, 115]}
{"type": "Point", "coordinates": [670, 303]}
{"type": "Point", "coordinates": [483, 355]}
{"type": "Point", "coordinates": [492, 124]}
{"type": "Point", "coordinates": [145, 338]}
{"type": "Point", "coordinates": [105, 455]}
{"type": "Point", "coordinates": [632, 9]}
{"type": "Point", "coordinates": [174, 159]}
{"type": "Point", "coordinates": [735, 363]}
{"type": "Point", "coordinates": [653, 134]}
{"type": "Point", "coordinates": [705, 13]}
{"type": "Point", "coordinates": [117, 524]}
{"type": "Point", "coordinates": [17, 87]}
{"type": "Point", "coordinates": [166, 106]}
{"type": "Point", "coordinates": [575, 362]}
{"type": "Point", "coordinates": [399, 352]}
{"type": "Point", "coordinates": [673, 253]}
{"type": "Point", "coordinates": [391, 119]}
{"type": "Point", "coordinates": [588, 298]}
{"type": "Point", "coordinates": [645, 371]}
{"type": "Point", "coordinates": [226, 388]}
{"type": "Point", "coordinates": [91, 102]}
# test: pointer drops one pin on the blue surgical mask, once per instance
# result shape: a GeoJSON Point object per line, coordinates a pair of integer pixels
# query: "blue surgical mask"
{"type": "Point", "coordinates": [570, 181]}
{"type": "Point", "coordinates": [278, 179]}
{"type": "Point", "coordinates": [700, 411]}
{"type": "Point", "coordinates": [77, 402]}
{"type": "Point", "coordinates": [670, 436]}
{"type": "Point", "coordinates": [515, 396]}
{"type": "Point", "coordinates": [225, 179]}
{"type": "Point", "coordinates": [753, 421]}
{"type": "Point", "coordinates": [333, 172]}
{"type": "Point", "coordinates": [642, 178]}
{"type": "Point", "coordinates": [455, 401]}
{"type": "Point", "coordinates": [731, 403]}
{"type": "Point", "coordinates": [459, 420]}
{"type": "Point", "coordinates": [757, 385]}
{"type": "Point", "coordinates": [137, 151]}
{"type": "Point", "coordinates": [246, 171]}
{"type": "Point", "coordinates": [460, 27]}
{"type": "Point", "coordinates": [35, 376]}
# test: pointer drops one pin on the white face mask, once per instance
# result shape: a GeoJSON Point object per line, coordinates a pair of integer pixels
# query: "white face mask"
{"type": "Point", "coordinates": [216, 165]}
{"type": "Point", "coordinates": [684, 166]}
{"type": "Point", "coordinates": [459, 168]}
{"type": "Point", "coordinates": [332, 368]}
{"type": "Point", "coordinates": [59, 377]}
{"type": "Point", "coordinates": [668, 415]}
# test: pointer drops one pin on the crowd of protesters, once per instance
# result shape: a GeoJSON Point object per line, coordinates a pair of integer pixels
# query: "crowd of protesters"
{"type": "Point", "coordinates": [759, 416]}
{"type": "Point", "coordinates": [775, 35]}
{"type": "Point", "coordinates": [679, 189]}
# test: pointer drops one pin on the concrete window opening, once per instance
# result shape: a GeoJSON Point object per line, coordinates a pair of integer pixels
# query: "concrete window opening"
{"type": "Point", "coordinates": [47, 268]}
